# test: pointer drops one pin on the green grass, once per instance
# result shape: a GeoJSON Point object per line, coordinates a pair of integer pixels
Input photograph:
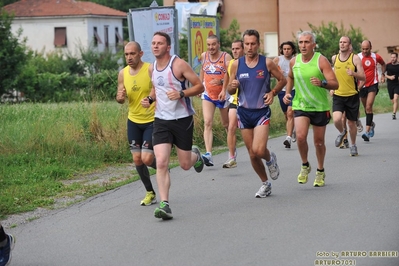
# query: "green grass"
{"type": "Point", "coordinates": [43, 146]}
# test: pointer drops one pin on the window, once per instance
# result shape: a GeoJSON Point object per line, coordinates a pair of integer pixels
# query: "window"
{"type": "Point", "coordinates": [106, 41]}
{"type": "Point", "coordinates": [96, 37]}
{"type": "Point", "coordinates": [118, 37]}
{"type": "Point", "coordinates": [271, 44]}
{"type": "Point", "coordinates": [60, 38]}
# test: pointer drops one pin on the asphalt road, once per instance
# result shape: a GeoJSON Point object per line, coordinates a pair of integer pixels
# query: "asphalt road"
{"type": "Point", "coordinates": [218, 221]}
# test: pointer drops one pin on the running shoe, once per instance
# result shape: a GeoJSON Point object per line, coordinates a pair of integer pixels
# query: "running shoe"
{"type": "Point", "coordinates": [319, 181]}
{"type": "Point", "coordinates": [287, 142]}
{"type": "Point", "coordinates": [353, 151]}
{"type": "Point", "coordinates": [207, 157]}
{"type": "Point", "coordinates": [264, 191]}
{"type": "Point", "coordinates": [149, 199]}
{"type": "Point", "coordinates": [293, 137]}
{"type": "Point", "coordinates": [163, 212]}
{"type": "Point", "coordinates": [303, 175]}
{"type": "Point", "coordinates": [366, 136]}
{"type": "Point", "coordinates": [230, 163]}
{"type": "Point", "coordinates": [340, 138]}
{"type": "Point", "coordinates": [345, 144]}
{"type": "Point", "coordinates": [199, 164]}
{"type": "Point", "coordinates": [393, 116]}
{"type": "Point", "coordinates": [5, 252]}
{"type": "Point", "coordinates": [372, 127]}
{"type": "Point", "coordinates": [273, 167]}
{"type": "Point", "coordinates": [359, 126]}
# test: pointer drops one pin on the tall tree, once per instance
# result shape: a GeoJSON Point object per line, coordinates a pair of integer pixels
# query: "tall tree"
{"type": "Point", "coordinates": [12, 53]}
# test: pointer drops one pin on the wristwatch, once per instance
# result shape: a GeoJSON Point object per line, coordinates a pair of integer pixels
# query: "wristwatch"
{"type": "Point", "coordinates": [324, 83]}
{"type": "Point", "coordinates": [181, 94]}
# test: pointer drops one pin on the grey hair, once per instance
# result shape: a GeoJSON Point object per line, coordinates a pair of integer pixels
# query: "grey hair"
{"type": "Point", "coordinates": [305, 33]}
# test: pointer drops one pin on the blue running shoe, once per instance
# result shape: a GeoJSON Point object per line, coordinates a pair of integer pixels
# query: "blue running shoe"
{"type": "Point", "coordinates": [372, 127]}
{"type": "Point", "coordinates": [207, 157]}
{"type": "Point", "coordinates": [5, 252]}
{"type": "Point", "coordinates": [366, 136]}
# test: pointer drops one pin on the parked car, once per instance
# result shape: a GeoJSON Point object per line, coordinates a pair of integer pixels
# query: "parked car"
{"type": "Point", "coordinates": [12, 96]}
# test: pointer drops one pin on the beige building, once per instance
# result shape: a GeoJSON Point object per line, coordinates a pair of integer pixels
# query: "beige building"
{"type": "Point", "coordinates": [279, 20]}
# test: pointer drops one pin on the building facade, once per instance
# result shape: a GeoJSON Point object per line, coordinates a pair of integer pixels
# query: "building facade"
{"type": "Point", "coordinates": [67, 25]}
{"type": "Point", "coordinates": [280, 20]}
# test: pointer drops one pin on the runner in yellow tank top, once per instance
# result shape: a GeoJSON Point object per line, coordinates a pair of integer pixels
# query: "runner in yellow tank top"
{"type": "Point", "coordinates": [134, 83]}
{"type": "Point", "coordinates": [348, 70]}
{"type": "Point", "coordinates": [237, 49]}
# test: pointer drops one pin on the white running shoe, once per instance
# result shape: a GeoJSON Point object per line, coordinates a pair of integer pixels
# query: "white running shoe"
{"type": "Point", "coordinates": [264, 191]}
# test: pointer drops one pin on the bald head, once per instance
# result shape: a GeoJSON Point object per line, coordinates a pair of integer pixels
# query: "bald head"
{"type": "Point", "coordinates": [366, 47]}
{"type": "Point", "coordinates": [133, 44]}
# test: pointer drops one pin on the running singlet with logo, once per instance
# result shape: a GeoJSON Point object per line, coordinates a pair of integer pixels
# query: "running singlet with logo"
{"type": "Point", "coordinates": [308, 97]}
{"type": "Point", "coordinates": [254, 83]}
{"type": "Point", "coordinates": [370, 67]}
{"type": "Point", "coordinates": [347, 84]}
{"type": "Point", "coordinates": [163, 81]}
{"type": "Point", "coordinates": [138, 87]}
{"type": "Point", "coordinates": [213, 70]}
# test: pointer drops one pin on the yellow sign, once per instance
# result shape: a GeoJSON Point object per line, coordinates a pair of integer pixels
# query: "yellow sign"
{"type": "Point", "coordinates": [200, 29]}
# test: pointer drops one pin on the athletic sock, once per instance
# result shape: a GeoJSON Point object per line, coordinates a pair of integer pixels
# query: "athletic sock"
{"type": "Point", "coordinates": [142, 170]}
{"type": "Point", "coordinates": [154, 163]}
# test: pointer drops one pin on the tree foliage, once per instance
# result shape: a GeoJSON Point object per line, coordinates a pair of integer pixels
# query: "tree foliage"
{"type": "Point", "coordinates": [228, 36]}
{"type": "Point", "coordinates": [12, 53]}
{"type": "Point", "coordinates": [327, 37]}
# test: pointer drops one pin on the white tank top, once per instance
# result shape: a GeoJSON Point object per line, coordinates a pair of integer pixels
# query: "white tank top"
{"type": "Point", "coordinates": [164, 80]}
{"type": "Point", "coordinates": [284, 65]}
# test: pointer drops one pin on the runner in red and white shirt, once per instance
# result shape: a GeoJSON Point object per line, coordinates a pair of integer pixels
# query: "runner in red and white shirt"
{"type": "Point", "coordinates": [369, 89]}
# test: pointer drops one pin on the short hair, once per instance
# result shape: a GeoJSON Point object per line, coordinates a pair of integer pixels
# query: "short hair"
{"type": "Point", "coordinates": [138, 46]}
{"type": "Point", "coordinates": [214, 37]}
{"type": "Point", "coordinates": [167, 37]}
{"type": "Point", "coordinates": [290, 44]}
{"type": "Point", "coordinates": [308, 33]}
{"type": "Point", "coordinates": [395, 53]}
{"type": "Point", "coordinates": [239, 41]}
{"type": "Point", "coordinates": [251, 32]}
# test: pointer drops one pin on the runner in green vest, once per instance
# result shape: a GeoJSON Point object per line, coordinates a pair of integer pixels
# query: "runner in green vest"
{"type": "Point", "coordinates": [313, 78]}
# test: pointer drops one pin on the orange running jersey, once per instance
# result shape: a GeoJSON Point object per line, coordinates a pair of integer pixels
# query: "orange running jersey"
{"type": "Point", "coordinates": [213, 70]}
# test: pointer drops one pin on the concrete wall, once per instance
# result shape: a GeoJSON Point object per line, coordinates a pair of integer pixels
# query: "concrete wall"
{"type": "Point", "coordinates": [377, 19]}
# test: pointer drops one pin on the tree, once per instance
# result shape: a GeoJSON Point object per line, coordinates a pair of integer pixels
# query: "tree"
{"type": "Point", "coordinates": [228, 36]}
{"type": "Point", "coordinates": [327, 37]}
{"type": "Point", "coordinates": [12, 53]}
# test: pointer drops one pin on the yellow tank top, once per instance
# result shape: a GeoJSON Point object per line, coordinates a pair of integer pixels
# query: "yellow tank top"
{"type": "Point", "coordinates": [235, 95]}
{"type": "Point", "coordinates": [138, 87]}
{"type": "Point", "coordinates": [347, 84]}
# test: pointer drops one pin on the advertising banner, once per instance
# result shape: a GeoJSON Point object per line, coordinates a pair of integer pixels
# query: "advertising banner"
{"type": "Point", "coordinates": [146, 21]}
{"type": "Point", "coordinates": [200, 27]}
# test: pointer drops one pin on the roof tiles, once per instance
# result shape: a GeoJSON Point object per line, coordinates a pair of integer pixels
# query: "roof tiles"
{"type": "Point", "coordinates": [50, 8]}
